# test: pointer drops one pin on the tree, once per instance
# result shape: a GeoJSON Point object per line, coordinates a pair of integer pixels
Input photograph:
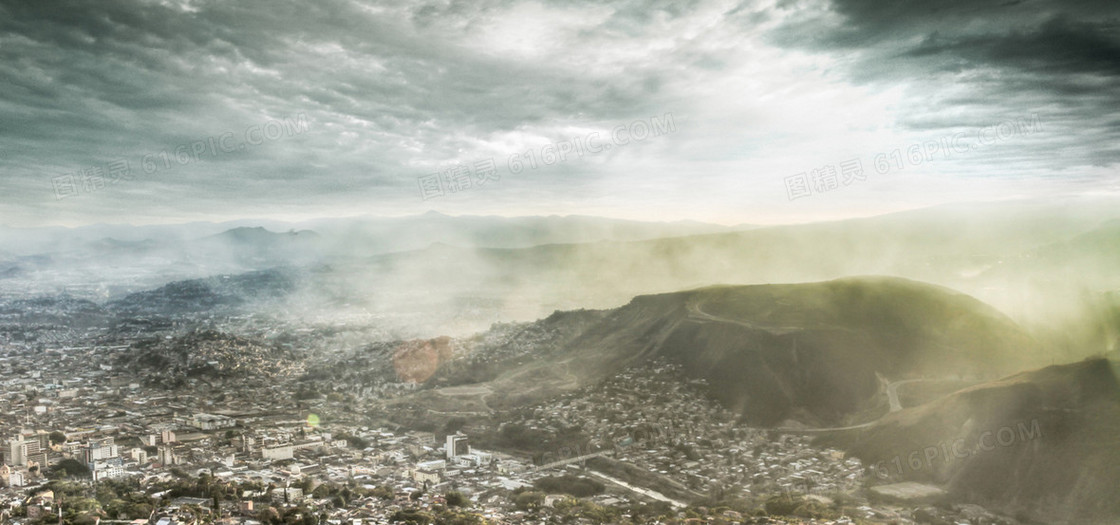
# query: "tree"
{"type": "Point", "coordinates": [529, 500]}
{"type": "Point", "coordinates": [782, 505]}
{"type": "Point", "coordinates": [414, 516]}
{"type": "Point", "coordinates": [451, 517]}
{"type": "Point", "coordinates": [568, 484]}
{"type": "Point", "coordinates": [354, 441]}
{"type": "Point", "coordinates": [454, 425]}
{"type": "Point", "coordinates": [383, 492]}
{"type": "Point", "coordinates": [57, 438]}
{"type": "Point", "coordinates": [70, 467]}
{"type": "Point", "coordinates": [455, 499]}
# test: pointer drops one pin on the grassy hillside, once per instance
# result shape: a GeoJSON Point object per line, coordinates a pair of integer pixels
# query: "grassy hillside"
{"type": "Point", "coordinates": [812, 352]}
{"type": "Point", "coordinates": [1040, 444]}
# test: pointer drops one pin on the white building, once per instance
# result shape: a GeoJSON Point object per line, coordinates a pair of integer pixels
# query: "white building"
{"type": "Point", "coordinates": [212, 422]}
{"type": "Point", "coordinates": [17, 451]}
{"type": "Point", "coordinates": [425, 476]}
{"type": "Point", "coordinates": [438, 464]}
{"type": "Point", "coordinates": [278, 452]}
{"type": "Point", "coordinates": [107, 470]}
{"type": "Point", "coordinates": [14, 477]}
{"type": "Point", "coordinates": [456, 446]}
{"type": "Point", "coordinates": [101, 449]}
{"type": "Point", "coordinates": [17, 479]}
{"type": "Point", "coordinates": [167, 455]}
{"type": "Point", "coordinates": [23, 449]}
{"type": "Point", "coordinates": [138, 455]}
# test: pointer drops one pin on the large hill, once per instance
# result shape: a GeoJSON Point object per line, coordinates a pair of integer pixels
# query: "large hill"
{"type": "Point", "coordinates": [207, 355]}
{"type": "Point", "coordinates": [817, 353]}
{"type": "Point", "coordinates": [213, 294]}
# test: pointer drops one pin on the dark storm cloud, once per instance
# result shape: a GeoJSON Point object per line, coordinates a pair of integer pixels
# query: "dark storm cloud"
{"type": "Point", "coordinates": [966, 63]}
{"type": "Point", "coordinates": [1058, 46]}
{"type": "Point", "coordinates": [1047, 35]}
{"type": "Point", "coordinates": [85, 83]}
{"type": "Point", "coordinates": [394, 90]}
{"type": "Point", "coordinates": [870, 21]}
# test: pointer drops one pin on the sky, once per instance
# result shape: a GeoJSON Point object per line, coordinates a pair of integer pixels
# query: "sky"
{"type": "Point", "coordinates": [141, 111]}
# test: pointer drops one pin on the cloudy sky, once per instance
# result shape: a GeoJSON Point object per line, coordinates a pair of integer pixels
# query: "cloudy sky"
{"type": "Point", "coordinates": [757, 111]}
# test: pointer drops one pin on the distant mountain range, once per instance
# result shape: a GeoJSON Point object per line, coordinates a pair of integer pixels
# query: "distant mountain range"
{"type": "Point", "coordinates": [354, 236]}
{"type": "Point", "coordinates": [1048, 266]}
{"type": "Point", "coordinates": [988, 252]}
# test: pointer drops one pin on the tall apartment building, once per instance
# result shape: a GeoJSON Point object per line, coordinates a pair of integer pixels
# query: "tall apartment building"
{"type": "Point", "coordinates": [100, 449]}
{"type": "Point", "coordinates": [457, 446]}
{"type": "Point", "coordinates": [27, 447]}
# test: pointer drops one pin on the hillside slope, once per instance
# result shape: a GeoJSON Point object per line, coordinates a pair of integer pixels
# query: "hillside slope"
{"type": "Point", "coordinates": [207, 355]}
{"type": "Point", "coordinates": [812, 352]}
{"type": "Point", "coordinates": [1040, 444]}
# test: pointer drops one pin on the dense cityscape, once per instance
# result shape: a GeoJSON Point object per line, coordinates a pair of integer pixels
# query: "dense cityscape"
{"type": "Point", "coordinates": [239, 431]}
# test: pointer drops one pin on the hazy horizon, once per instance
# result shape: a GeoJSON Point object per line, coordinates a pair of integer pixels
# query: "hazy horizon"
{"type": "Point", "coordinates": [654, 218]}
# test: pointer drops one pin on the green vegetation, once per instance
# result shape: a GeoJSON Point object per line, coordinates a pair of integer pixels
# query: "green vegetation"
{"type": "Point", "coordinates": [814, 351]}
{"type": "Point", "coordinates": [518, 437]}
{"type": "Point", "coordinates": [437, 516]}
{"type": "Point", "coordinates": [125, 500]}
{"type": "Point", "coordinates": [569, 508]}
{"type": "Point", "coordinates": [794, 505]}
{"type": "Point", "coordinates": [456, 499]}
{"type": "Point", "coordinates": [571, 485]}
{"type": "Point", "coordinates": [70, 467]}
{"type": "Point", "coordinates": [305, 392]}
{"type": "Point", "coordinates": [112, 499]}
{"type": "Point", "coordinates": [356, 442]}
{"type": "Point", "coordinates": [528, 500]}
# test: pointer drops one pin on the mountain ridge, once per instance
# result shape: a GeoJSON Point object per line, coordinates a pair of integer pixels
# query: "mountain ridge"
{"type": "Point", "coordinates": [819, 369]}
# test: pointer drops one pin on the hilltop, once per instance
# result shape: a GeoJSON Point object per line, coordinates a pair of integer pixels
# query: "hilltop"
{"type": "Point", "coordinates": [207, 295]}
{"type": "Point", "coordinates": [815, 353]}
{"type": "Point", "coordinates": [206, 355]}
